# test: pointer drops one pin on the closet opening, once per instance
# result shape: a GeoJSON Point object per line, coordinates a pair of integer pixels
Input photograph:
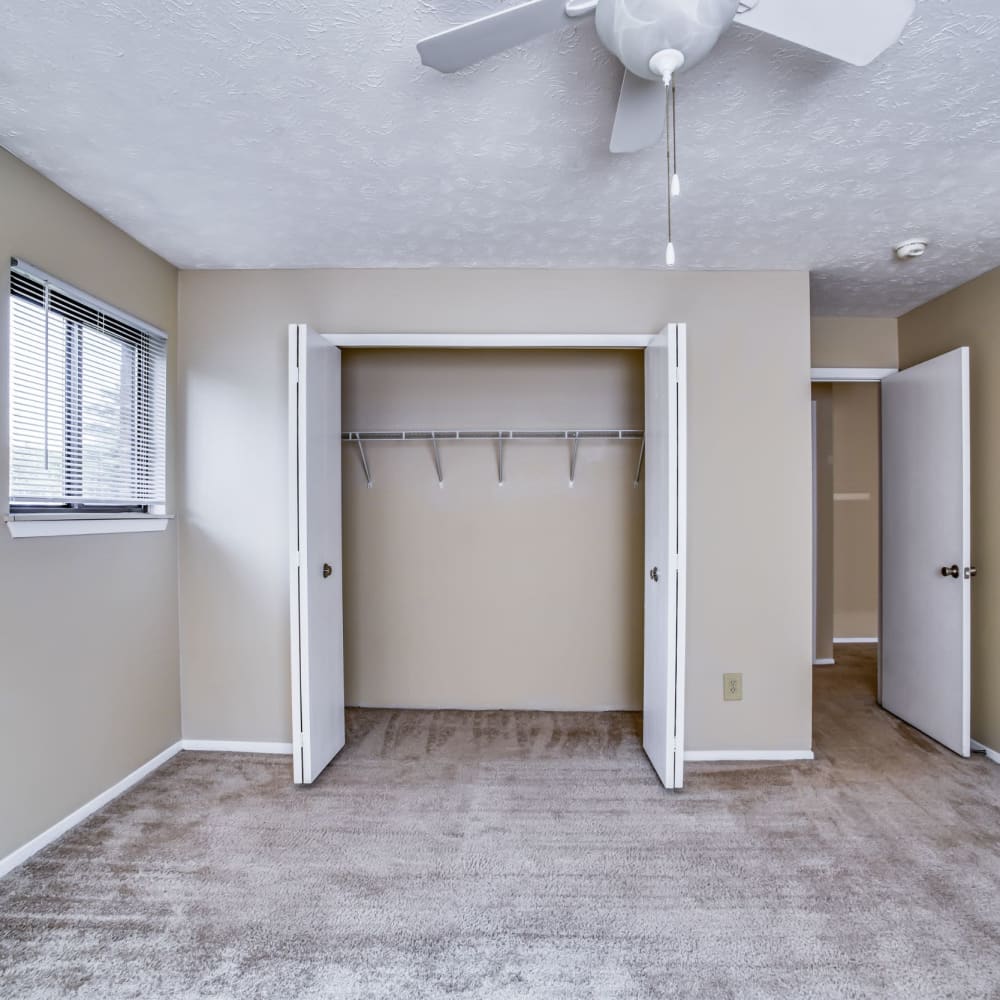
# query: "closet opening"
{"type": "Point", "coordinates": [487, 528]}
{"type": "Point", "coordinates": [493, 529]}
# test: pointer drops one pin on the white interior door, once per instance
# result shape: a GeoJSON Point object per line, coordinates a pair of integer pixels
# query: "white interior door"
{"type": "Point", "coordinates": [926, 548]}
{"type": "Point", "coordinates": [666, 491]}
{"type": "Point", "coordinates": [317, 604]}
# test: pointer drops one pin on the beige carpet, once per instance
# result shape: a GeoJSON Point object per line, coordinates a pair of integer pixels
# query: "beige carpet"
{"type": "Point", "coordinates": [517, 855]}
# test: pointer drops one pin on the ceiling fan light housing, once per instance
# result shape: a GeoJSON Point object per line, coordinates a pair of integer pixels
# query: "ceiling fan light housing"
{"type": "Point", "coordinates": [664, 64]}
{"type": "Point", "coordinates": [636, 30]}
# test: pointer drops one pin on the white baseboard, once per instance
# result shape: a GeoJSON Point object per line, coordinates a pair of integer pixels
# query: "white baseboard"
{"type": "Point", "coordinates": [54, 832]}
{"type": "Point", "coordinates": [991, 754]}
{"type": "Point", "coordinates": [237, 746]}
{"type": "Point", "coordinates": [824, 663]}
{"type": "Point", "coordinates": [863, 641]}
{"type": "Point", "coordinates": [702, 756]}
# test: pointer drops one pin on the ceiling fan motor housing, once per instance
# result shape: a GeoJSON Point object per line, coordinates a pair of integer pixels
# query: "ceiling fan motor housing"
{"type": "Point", "coordinates": [636, 30]}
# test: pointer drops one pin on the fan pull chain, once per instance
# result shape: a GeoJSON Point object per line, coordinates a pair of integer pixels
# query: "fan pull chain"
{"type": "Point", "coordinates": [671, 156]}
{"type": "Point", "coordinates": [675, 182]}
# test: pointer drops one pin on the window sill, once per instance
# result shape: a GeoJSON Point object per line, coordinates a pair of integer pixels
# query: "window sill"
{"type": "Point", "coordinates": [53, 525]}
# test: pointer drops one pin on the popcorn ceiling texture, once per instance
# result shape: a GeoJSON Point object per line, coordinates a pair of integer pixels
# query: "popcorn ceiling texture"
{"type": "Point", "coordinates": [301, 133]}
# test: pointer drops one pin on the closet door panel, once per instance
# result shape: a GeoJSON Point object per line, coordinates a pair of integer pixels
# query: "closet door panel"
{"type": "Point", "coordinates": [663, 668]}
{"type": "Point", "coordinates": [317, 604]}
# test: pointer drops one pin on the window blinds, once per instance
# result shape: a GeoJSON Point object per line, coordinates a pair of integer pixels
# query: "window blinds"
{"type": "Point", "coordinates": [87, 401]}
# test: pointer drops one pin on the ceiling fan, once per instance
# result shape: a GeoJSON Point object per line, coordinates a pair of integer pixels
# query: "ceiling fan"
{"type": "Point", "coordinates": [654, 39]}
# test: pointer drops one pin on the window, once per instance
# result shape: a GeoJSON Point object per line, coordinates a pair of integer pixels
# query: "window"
{"type": "Point", "coordinates": [87, 403]}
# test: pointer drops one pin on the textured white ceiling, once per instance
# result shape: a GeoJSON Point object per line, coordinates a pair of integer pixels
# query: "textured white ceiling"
{"type": "Point", "coordinates": [293, 133]}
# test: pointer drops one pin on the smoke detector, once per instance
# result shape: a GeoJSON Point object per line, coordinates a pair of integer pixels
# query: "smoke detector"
{"type": "Point", "coordinates": [910, 249]}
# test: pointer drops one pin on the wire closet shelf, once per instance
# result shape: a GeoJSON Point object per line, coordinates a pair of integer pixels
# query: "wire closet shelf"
{"type": "Point", "coordinates": [500, 437]}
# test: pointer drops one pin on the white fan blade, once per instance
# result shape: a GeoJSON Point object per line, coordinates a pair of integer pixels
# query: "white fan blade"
{"type": "Point", "coordinates": [468, 43]}
{"type": "Point", "coordinates": [641, 115]}
{"type": "Point", "coordinates": [854, 31]}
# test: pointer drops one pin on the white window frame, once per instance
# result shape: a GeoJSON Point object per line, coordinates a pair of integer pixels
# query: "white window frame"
{"type": "Point", "coordinates": [39, 524]}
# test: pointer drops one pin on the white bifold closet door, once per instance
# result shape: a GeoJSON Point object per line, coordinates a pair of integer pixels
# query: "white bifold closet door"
{"type": "Point", "coordinates": [927, 572]}
{"type": "Point", "coordinates": [665, 581]}
{"type": "Point", "coordinates": [317, 601]}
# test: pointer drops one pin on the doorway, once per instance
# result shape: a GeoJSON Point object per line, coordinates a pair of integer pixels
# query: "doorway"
{"type": "Point", "coordinates": [316, 580]}
{"type": "Point", "coordinates": [846, 516]}
{"type": "Point", "coordinates": [892, 536]}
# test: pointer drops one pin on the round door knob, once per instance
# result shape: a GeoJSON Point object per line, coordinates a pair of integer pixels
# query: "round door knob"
{"type": "Point", "coordinates": [654, 574]}
{"type": "Point", "coordinates": [327, 570]}
{"type": "Point", "coordinates": [970, 572]}
{"type": "Point", "coordinates": [951, 571]}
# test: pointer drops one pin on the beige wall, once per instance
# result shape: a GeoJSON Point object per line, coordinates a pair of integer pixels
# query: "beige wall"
{"type": "Point", "coordinates": [854, 342]}
{"type": "Point", "coordinates": [822, 395]}
{"type": "Point", "coordinates": [549, 576]}
{"type": "Point", "coordinates": [970, 316]}
{"type": "Point", "coordinates": [856, 473]}
{"type": "Point", "coordinates": [750, 524]}
{"type": "Point", "coordinates": [88, 655]}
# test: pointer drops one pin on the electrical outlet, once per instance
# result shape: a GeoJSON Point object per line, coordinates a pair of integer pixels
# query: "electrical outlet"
{"type": "Point", "coordinates": [732, 687]}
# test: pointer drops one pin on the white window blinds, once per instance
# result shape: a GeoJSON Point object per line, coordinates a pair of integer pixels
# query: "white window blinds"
{"type": "Point", "coordinates": [87, 401]}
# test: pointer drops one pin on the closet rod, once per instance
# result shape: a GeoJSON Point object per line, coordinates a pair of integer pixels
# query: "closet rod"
{"type": "Point", "coordinates": [568, 435]}
{"type": "Point", "coordinates": [434, 437]}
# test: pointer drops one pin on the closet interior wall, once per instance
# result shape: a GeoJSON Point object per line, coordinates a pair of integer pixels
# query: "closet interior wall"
{"type": "Point", "coordinates": [475, 595]}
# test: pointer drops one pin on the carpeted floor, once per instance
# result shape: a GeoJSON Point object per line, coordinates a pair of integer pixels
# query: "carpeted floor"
{"type": "Point", "coordinates": [529, 855]}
